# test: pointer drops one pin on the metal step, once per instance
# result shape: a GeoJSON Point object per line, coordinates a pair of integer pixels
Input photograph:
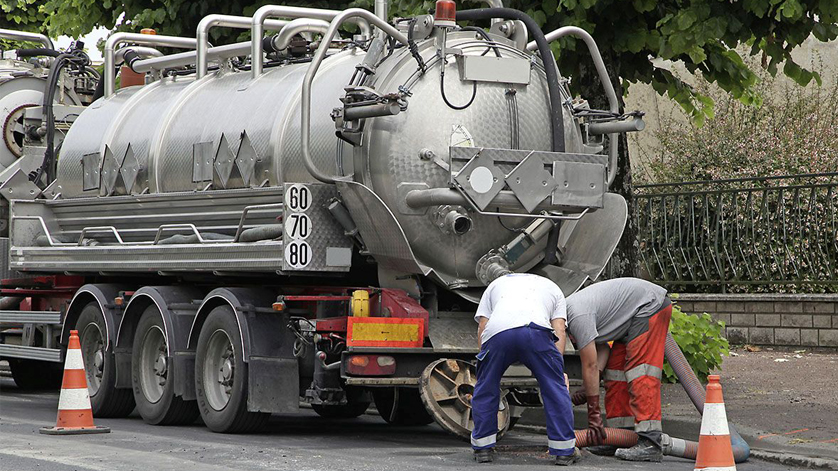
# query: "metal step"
{"type": "Point", "coordinates": [30, 317]}
{"type": "Point", "coordinates": [30, 353]}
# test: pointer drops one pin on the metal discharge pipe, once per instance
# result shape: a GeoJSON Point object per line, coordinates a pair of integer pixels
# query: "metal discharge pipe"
{"type": "Point", "coordinates": [319, 55]}
{"type": "Point", "coordinates": [143, 39]}
{"type": "Point", "coordinates": [280, 11]}
{"type": "Point", "coordinates": [599, 64]}
{"type": "Point", "coordinates": [24, 36]}
{"type": "Point", "coordinates": [696, 392]}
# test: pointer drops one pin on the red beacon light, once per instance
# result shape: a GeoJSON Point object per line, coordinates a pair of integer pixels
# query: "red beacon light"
{"type": "Point", "coordinates": [445, 15]}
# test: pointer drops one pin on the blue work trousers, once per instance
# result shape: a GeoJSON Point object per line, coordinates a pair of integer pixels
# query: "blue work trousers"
{"type": "Point", "coordinates": [534, 346]}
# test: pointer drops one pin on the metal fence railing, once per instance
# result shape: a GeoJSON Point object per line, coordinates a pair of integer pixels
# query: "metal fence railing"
{"type": "Point", "coordinates": [778, 232]}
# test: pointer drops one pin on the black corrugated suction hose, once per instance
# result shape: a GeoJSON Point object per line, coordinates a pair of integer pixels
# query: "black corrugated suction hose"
{"type": "Point", "coordinates": [556, 119]}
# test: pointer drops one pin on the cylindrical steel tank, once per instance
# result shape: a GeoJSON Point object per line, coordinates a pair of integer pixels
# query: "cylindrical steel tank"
{"type": "Point", "coordinates": [166, 122]}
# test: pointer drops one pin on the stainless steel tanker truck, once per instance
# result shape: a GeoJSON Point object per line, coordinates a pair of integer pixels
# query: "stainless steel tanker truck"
{"type": "Point", "coordinates": [308, 216]}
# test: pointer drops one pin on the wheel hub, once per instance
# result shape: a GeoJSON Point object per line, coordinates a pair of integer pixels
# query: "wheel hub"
{"type": "Point", "coordinates": [446, 388]}
{"type": "Point", "coordinates": [219, 370]}
{"type": "Point", "coordinates": [154, 364]}
{"type": "Point", "coordinates": [93, 356]}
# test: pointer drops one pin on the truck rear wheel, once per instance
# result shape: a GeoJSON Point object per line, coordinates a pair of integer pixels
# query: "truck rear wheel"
{"type": "Point", "coordinates": [152, 378]}
{"type": "Point", "coordinates": [401, 406]}
{"type": "Point", "coordinates": [34, 374]}
{"type": "Point", "coordinates": [221, 376]}
{"type": "Point", "coordinates": [100, 366]}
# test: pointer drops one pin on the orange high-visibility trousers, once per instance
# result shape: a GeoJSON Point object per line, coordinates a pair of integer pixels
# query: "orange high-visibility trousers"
{"type": "Point", "coordinates": [633, 375]}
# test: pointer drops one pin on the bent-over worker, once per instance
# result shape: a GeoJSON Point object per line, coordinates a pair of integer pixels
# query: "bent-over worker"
{"type": "Point", "coordinates": [634, 314]}
{"type": "Point", "coordinates": [522, 319]}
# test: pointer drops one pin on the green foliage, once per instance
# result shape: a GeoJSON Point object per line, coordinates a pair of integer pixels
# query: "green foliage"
{"type": "Point", "coordinates": [701, 340]}
{"type": "Point", "coordinates": [635, 36]}
{"type": "Point", "coordinates": [794, 131]}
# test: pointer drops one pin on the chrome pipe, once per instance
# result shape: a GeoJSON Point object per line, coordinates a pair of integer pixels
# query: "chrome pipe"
{"type": "Point", "coordinates": [142, 51]}
{"type": "Point", "coordinates": [117, 39]}
{"type": "Point", "coordinates": [24, 36]}
{"type": "Point", "coordinates": [613, 104]}
{"type": "Point", "coordinates": [225, 21]}
{"type": "Point", "coordinates": [319, 55]}
{"type": "Point", "coordinates": [301, 25]}
{"type": "Point", "coordinates": [257, 29]}
{"type": "Point", "coordinates": [188, 58]}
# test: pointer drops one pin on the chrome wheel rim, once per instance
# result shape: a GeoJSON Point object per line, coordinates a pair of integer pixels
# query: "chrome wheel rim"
{"type": "Point", "coordinates": [93, 354]}
{"type": "Point", "coordinates": [219, 370]}
{"type": "Point", "coordinates": [154, 364]}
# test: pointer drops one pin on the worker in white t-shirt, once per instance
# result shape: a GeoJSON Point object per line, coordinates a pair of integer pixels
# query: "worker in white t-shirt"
{"type": "Point", "coordinates": [522, 319]}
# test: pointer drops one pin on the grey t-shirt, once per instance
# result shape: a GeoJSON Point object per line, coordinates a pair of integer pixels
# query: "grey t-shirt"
{"type": "Point", "coordinates": [603, 311]}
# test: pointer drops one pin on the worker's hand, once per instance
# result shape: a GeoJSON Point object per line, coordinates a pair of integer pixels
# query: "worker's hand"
{"type": "Point", "coordinates": [578, 397]}
{"type": "Point", "coordinates": [567, 382]}
{"type": "Point", "coordinates": [596, 430]}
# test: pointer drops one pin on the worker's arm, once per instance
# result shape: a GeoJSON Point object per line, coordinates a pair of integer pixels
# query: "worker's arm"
{"type": "Point", "coordinates": [481, 326]}
{"type": "Point", "coordinates": [590, 369]}
{"type": "Point", "coordinates": [559, 329]}
{"type": "Point", "coordinates": [603, 351]}
{"type": "Point", "coordinates": [590, 377]}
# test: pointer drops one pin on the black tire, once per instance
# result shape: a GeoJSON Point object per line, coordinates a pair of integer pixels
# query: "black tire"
{"type": "Point", "coordinates": [165, 409]}
{"type": "Point", "coordinates": [409, 407]}
{"type": "Point", "coordinates": [512, 422]}
{"type": "Point", "coordinates": [228, 414]}
{"type": "Point", "coordinates": [105, 399]}
{"type": "Point", "coordinates": [35, 375]}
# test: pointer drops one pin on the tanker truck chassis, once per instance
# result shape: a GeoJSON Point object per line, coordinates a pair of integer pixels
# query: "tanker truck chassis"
{"type": "Point", "coordinates": [232, 238]}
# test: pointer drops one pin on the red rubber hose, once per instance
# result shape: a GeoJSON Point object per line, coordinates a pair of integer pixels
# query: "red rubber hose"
{"type": "Point", "coordinates": [618, 437]}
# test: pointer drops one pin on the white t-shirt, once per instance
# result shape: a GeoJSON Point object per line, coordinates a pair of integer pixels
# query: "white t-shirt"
{"type": "Point", "coordinates": [518, 299]}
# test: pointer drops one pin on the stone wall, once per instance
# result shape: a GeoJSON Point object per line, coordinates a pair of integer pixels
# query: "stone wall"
{"type": "Point", "coordinates": [791, 320]}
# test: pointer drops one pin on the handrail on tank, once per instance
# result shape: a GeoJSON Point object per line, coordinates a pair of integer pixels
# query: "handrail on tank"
{"type": "Point", "coordinates": [281, 11]}
{"type": "Point", "coordinates": [613, 104]}
{"type": "Point", "coordinates": [225, 21]}
{"type": "Point", "coordinates": [143, 39]}
{"type": "Point", "coordinates": [25, 36]}
{"type": "Point", "coordinates": [319, 55]}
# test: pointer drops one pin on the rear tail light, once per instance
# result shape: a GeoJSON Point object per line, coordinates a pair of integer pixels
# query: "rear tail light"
{"type": "Point", "coordinates": [371, 365]}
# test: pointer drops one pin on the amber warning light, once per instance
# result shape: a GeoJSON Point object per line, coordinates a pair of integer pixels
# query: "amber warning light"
{"type": "Point", "coordinates": [445, 15]}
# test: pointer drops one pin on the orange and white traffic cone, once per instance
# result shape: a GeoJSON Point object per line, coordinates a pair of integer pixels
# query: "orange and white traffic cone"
{"type": "Point", "coordinates": [74, 412]}
{"type": "Point", "coordinates": [714, 450]}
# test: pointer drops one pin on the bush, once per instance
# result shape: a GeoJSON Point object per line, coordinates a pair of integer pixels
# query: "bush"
{"type": "Point", "coordinates": [794, 130]}
{"type": "Point", "coordinates": [700, 338]}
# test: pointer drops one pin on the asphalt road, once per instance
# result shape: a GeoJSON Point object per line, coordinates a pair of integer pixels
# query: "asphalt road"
{"type": "Point", "coordinates": [294, 442]}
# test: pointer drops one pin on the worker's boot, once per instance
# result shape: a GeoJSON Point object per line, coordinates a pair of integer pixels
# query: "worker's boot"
{"type": "Point", "coordinates": [602, 450]}
{"type": "Point", "coordinates": [486, 455]}
{"type": "Point", "coordinates": [645, 450]}
{"type": "Point", "coordinates": [569, 459]}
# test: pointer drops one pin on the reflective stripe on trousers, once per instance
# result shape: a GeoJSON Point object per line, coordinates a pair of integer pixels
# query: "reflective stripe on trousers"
{"type": "Point", "coordinates": [485, 441]}
{"type": "Point", "coordinates": [643, 370]}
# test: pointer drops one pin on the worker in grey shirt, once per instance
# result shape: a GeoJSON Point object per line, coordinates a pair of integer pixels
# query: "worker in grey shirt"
{"type": "Point", "coordinates": [634, 314]}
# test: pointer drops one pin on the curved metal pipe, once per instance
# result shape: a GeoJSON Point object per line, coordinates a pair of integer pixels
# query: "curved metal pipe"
{"type": "Point", "coordinates": [278, 11]}
{"type": "Point", "coordinates": [24, 36]}
{"type": "Point", "coordinates": [319, 55]}
{"type": "Point", "coordinates": [187, 58]}
{"type": "Point", "coordinates": [143, 39]}
{"type": "Point", "coordinates": [142, 51]}
{"type": "Point", "coordinates": [613, 103]}
{"type": "Point", "coordinates": [226, 21]}
{"type": "Point", "coordinates": [295, 27]}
